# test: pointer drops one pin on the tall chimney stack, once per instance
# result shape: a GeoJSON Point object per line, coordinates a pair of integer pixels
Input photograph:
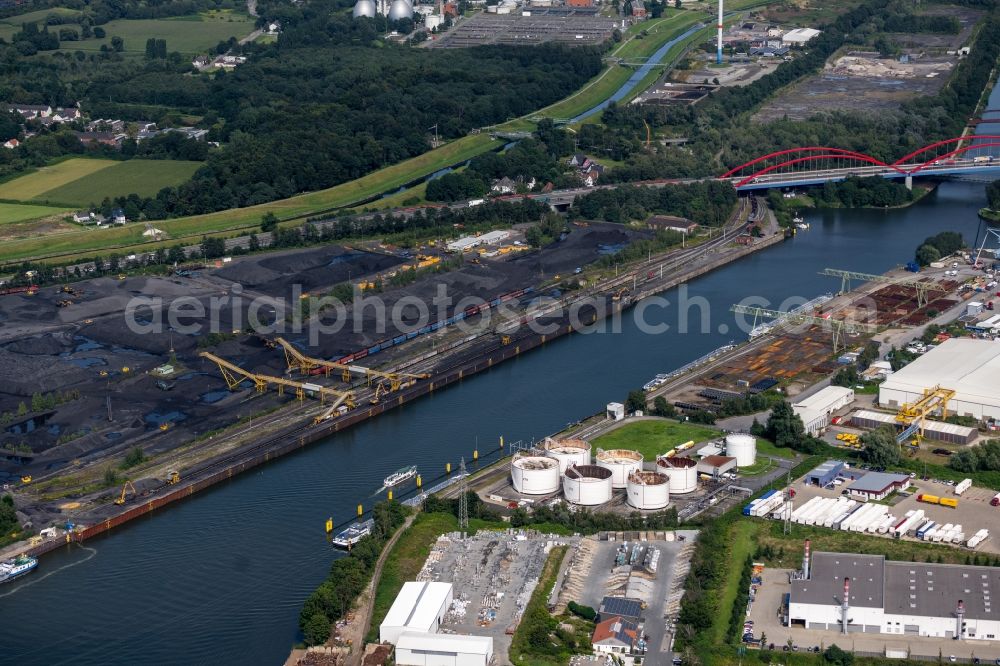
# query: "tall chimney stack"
{"type": "Point", "coordinates": [718, 46]}
{"type": "Point", "coordinates": [845, 605]}
{"type": "Point", "coordinates": [959, 616]}
{"type": "Point", "coordinates": [806, 562]}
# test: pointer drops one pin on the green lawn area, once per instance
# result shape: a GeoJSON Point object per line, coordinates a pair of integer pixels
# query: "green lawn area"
{"type": "Point", "coordinates": [51, 177]}
{"type": "Point", "coordinates": [743, 544]}
{"type": "Point", "coordinates": [654, 437]}
{"type": "Point", "coordinates": [764, 447]}
{"type": "Point", "coordinates": [22, 212]}
{"type": "Point", "coordinates": [407, 558]}
{"type": "Point", "coordinates": [142, 177]}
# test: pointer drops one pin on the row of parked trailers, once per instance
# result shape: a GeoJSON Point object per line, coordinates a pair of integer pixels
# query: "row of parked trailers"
{"type": "Point", "coordinates": [765, 505]}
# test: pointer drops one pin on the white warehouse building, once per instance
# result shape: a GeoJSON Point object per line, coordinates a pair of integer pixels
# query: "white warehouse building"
{"type": "Point", "coordinates": [896, 598]}
{"type": "Point", "coordinates": [416, 649]}
{"type": "Point", "coordinates": [969, 367]}
{"type": "Point", "coordinates": [419, 607]}
{"type": "Point", "coordinates": [816, 410]}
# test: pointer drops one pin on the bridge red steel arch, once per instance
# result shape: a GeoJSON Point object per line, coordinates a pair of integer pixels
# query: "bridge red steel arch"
{"type": "Point", "coordinates": [808, 158]}
{"type": "Point", "coordinates": [844, 154]}
{"type": "Point", "coordinates": [840, 152]}
{"type": "Point", "coordinates": [938, 144]}
{"type": "Point", "coordinates": [957, 151]}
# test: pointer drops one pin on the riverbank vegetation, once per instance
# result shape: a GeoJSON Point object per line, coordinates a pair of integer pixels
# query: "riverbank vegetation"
{"type": "Point", "coordinates": [349, 575]}
{"type": "Point", "coordinates": [938, 246]}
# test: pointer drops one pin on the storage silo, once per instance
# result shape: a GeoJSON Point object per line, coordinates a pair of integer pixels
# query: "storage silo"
{"type": "Point", "coordinates": [399, 10]}
{"type": "Point", "coordinates": [648, 490]}
{"type": "Point", "coordinates": [587, 485]}
{"type": "Point", "coordinates": [534, 475]}
{"type": "Point", "coordinates": [743, 447]}
{"type": "Point", "coordinates": [364, 8]}
{"type": "Point", "coordinates": [621, 462]}
{"type": "Point", "coordinates": [682, 472]}
{"type": "Point", "coordinates": [567, 452]}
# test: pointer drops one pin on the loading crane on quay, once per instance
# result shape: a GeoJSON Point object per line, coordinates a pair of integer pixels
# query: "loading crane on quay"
{"type": "Point", "coordinates": [922, 288]}
{"type": "Point", "coordinates": [307, 364]}
{"type": "Point", "coordinates": [234, 375]}
{"type": "Point", "coordinates": [839, 327]}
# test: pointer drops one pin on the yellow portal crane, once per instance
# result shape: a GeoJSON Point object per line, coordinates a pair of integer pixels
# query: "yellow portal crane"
{"type": "Point", "coordinates": [121, 498]}
{"type": "Point", "coordinates": [234, 375]}
{"type": "Point", "coordinates": [305, 364]}
{"type": "Point", "coordinates": [380, 390]}
{"type": "Point", "coordinates": [934, 399]}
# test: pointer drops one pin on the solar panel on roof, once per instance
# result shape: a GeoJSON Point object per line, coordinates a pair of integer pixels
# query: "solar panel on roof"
{"type": "Point", "coordinates": [611, 606]}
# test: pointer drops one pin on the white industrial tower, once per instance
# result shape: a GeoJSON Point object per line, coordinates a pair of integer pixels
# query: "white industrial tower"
{"type": "Point", "coordinates": [718, 42]}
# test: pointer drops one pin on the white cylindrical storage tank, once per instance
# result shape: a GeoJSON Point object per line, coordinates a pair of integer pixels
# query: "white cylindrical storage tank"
{"type": "Point", "coordinates": [743, 447]}
{"type": "Point", "coordinates": [535, 475]}
{"type": "Point", "coordinates": [621, 462]}
{"type": "Point", "coordinates": [648, 490]}
{"type": "Point", "coordinates": [682, 472]}
{"type": "Point", "coordinates": [567, 451]}
{"type": "Point", "coordinates": [587, 485]}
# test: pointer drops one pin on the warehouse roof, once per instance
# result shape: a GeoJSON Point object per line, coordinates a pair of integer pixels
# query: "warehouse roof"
{"type": "Point", "coordinates": [933, 590]}
{"type": "Point", "coordinates": [905, 588]}
{"type": "Point", "coordinates": [417, 605]}
{"type": "Point", "coordinates": [822, 400]}
{"type": "Point", "coordinates": [800, 35]}
{"type": "Point", "coordinates": [825, 468]}
{"type": "Point", "coordinates": [717, 461]}
{"type": "Point", "coordinates": [880, 417]}
{"type": "Point", "coordinates": [969, 367]}
{"type": "Point", "coordinates": [413, 640]}
{"type": "Point", "coordinates": [877, 482]}
{"type": "Point", "coordinates": [826, 580]}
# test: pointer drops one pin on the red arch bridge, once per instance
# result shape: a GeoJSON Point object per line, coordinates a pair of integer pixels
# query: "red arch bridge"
{"type": "Point", "coordinates": [815, 165]}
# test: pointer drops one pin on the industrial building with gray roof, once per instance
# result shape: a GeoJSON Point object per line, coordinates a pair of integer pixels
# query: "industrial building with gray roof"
{"type": "Point", "coordinates": [888, 597]}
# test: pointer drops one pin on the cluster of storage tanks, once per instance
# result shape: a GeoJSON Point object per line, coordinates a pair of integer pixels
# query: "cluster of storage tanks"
{"type": "Point", "coordinates": [587, 482]}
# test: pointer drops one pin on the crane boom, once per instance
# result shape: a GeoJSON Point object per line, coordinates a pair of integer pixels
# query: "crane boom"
{"type": "Point", "coordinates": [837, 326]}
{"type": "Point", "coordinates": [234, 376]}
{"type": "Point", "coordinates": [305, 364]}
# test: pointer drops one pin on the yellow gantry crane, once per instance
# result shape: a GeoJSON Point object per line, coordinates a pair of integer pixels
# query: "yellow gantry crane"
{"type": "Point", "coordinates": [914, 414]}
{"type": "Point", "coordinates": [296, 359]}
{"type": "Point", "coordinates": [234, 375]}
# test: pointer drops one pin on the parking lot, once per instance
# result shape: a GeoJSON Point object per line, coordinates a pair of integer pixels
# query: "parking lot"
{"type": "Point", "coordinates": [972, 513]}
{"type": "Point", "coordinates": [494, 574]}
{"type": "Point", "coordinates": [764, 615]}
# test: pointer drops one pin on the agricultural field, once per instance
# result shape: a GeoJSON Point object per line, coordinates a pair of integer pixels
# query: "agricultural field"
{"type": "Point", "coordinates": [12, 24]}
{"type": "Point", "coordinates": [37, 183]}
{"type": "Point", "coordinates": [11, 213]}
{"type": "Point", "coordinates": [654, 437]}
{"type": "Point", "coordinates": [189, 35]}
{"type": "Point", "coordinates": [142, 177]}
{"type": "Point", "coordinates": [81, 182]}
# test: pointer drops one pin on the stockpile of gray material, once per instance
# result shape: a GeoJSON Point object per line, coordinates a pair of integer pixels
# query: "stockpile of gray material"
{"type": "Point", "coordinates": [48, 344]}
{"type": "Point", "coordinates": [313, 269]}
{"type": "Point", "coordinates": [26, 375]}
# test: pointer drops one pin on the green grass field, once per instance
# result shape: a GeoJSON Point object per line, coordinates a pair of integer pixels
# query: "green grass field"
{"type": "Point", "coordinates": [764, 447]}
{"type": "Point", "coordinates": [654, 437]}
{"type": "Point", "coordinates": [407, 558]}
{"type": "Point", "coordinates": [143, 177]}
{"type": "Point", "coordinates": [743, 544]}
{"type": "Point", "coordinates": [189, 35]}
{"type": "Point", "coordinates": [10, 213]}
{"type": "Point", "coordinates": [48, 178]}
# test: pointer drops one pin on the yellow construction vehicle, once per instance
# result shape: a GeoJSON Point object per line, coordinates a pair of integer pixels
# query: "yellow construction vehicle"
{"type": "Point", "coordinates": [26, 479]}
{"type": "Point", "coordinates": [120, 500]}
{"type": "Point", "coordinates": [618, 295]}
{"type": "Point", "coordinates": [122, 276]}
{"type": "Point", "coordinates": [379, 392]}
{"type": "Point", "coordinates": [505, 340]}
{"type": "Point", "coordinates": [165, 426]}
{"type": "Point", "coordinates": [173, 477]}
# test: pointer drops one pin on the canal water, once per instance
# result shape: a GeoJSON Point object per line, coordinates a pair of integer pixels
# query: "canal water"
{"type": "Point", "coordinates": [219, 579]}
